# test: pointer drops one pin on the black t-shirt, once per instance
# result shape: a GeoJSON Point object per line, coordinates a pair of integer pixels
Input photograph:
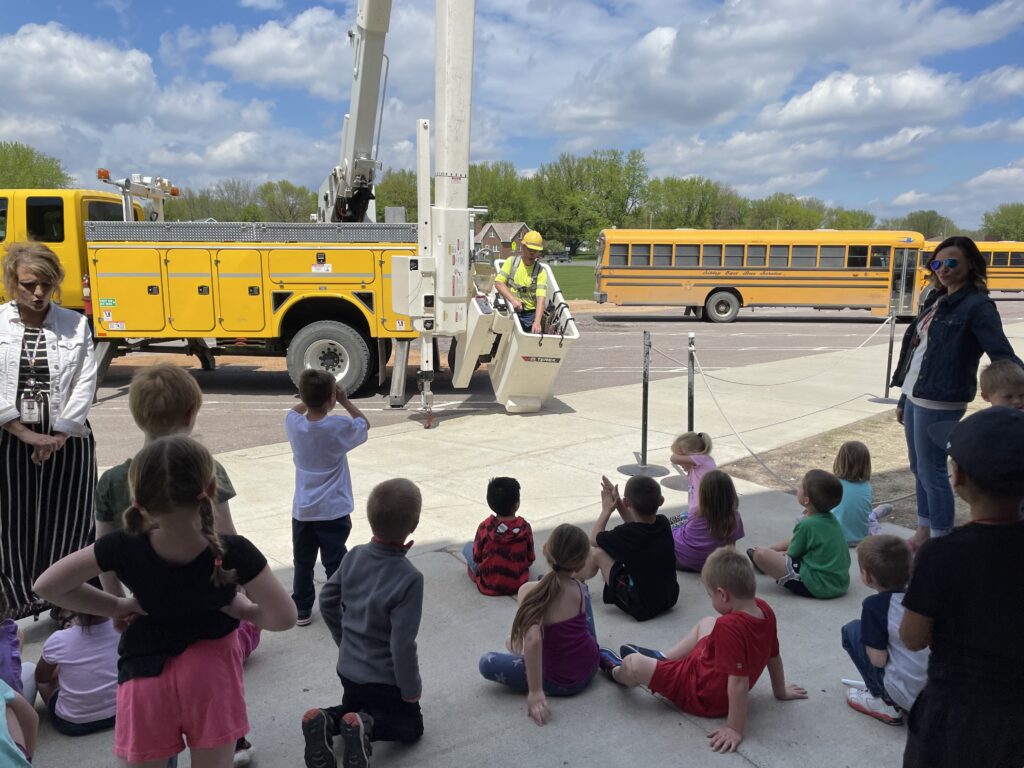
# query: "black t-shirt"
{"type": "Point", "coordinates": [971, 584]}
{"type": "Point", "coordinates": [181, 603]}
{"type": "Point", "coordinates": [648, 555]}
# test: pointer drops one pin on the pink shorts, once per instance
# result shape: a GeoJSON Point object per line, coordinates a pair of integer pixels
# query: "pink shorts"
{"type": "Point", "coordinates": [200, 695]}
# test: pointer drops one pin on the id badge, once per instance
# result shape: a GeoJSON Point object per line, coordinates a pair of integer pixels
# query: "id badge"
{"type": "Point", "coordinates": [30, 411]}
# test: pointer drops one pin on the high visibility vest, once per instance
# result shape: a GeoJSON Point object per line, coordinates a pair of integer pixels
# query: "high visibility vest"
{"type": "Point", "coordinates": [527, 292]}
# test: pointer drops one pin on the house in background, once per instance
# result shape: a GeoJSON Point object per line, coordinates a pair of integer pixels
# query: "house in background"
{"type": "Point", "coordinates": [498, 238]}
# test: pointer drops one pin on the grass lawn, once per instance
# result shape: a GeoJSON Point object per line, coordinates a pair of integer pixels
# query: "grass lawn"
{"type": "Point", "coordinates": [575, 282]}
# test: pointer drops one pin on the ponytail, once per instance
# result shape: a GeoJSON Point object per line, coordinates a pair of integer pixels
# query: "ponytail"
{"type": "Point", "coordinates": [531, 611]}
{"type": "Point", "coordinates": [221, 577]}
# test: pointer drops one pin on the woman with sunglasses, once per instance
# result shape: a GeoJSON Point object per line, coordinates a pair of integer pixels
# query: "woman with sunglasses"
{"type": "Point", "coordinates": [47, 383]}
{"type": "Point", "coordinates": [937, 371]}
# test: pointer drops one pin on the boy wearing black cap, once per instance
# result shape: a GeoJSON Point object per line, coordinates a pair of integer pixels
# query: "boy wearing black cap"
{"type": "Point", "coordinates": [964, 602]}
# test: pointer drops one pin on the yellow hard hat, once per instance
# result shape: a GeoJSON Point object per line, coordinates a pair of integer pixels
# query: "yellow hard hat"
{"type": "Point", "coordinates": [533, 241]}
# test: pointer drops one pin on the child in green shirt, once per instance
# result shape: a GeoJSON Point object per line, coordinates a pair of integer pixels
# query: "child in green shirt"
{"type": "Point", "coordinates": [815, 562]}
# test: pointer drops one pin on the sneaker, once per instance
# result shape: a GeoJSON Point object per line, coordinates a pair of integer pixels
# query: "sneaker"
{"type": "Point", "coordinates": [305, 619]}
{"type": "Point", "coordinates": [750, 554]}
{"type": "Point", "coordinates": [243, 752]}
{"type": "Point", "coordinates": [882, 511]}
{"type": "Point", "coordinates": [355, 732]}
{"type": "Point", "coordinates": [319, 729]}
{"type": "Point", "coordinates": [861, 700]}
{"type": "Point", "coordinates": [608, 661]}
{"type": "Point", "coordinates": [626, 650]}
{"type": "Point", "coordinates": [677, 520]}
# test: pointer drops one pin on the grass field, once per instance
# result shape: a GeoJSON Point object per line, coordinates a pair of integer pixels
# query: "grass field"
{"type": "Point", "coordinates": [575, 282]}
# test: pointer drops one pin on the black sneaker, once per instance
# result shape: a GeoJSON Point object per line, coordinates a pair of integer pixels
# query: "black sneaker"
{"type": "Point", "coordinates": [356, 728]}
{"type": "Point", "coordinates": [626, 650]}
{"type": "Point", "coordinates": [305, 618]}
{"type": "Point", "coordinates": [319, 728]}
{"type": "Point", "coordinates": [243, 752]}
{"type": "Point", "coordinates": [750, 554]}
{"type": "Point", "coordinates": [608, 661]}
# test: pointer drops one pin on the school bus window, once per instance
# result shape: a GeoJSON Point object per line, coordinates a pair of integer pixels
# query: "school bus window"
{"type": "Point", "coordinates": [3, 219]}
{"type": "Point", "coordinates": [880, 256]}
{"type": "Point", "coordinates": [987, 255]}
{"type": "Point", "coordinates": [756, 255]}
{"type": "Point", "coordinates": [44, 219]}
{"type": "Point", "coordinates": [779, 256]}
{"type": "Point", "coordinates": [662, 256]}
{"type": "Point", "coordinates": [687, 255]}
{"type": "Point", "coordinates": [832, 257]}
{"type": "Point", "coordinates": [712, 256]}
{"type": "Point", "coordinates": [927, 256]}
{"type": "Point", "coordinates": [641, 256]}
{"type": "Point", "coordinates": [857, 257]}
{"type": "Point", "coordinates": [1017, 259]}
{"type": "Point", "coordinates": [1000, 259]}
{"type": "Point", "coordinates": [734, 255]}
{"type": "Point", "coordinates": [805, 256]}
{"type": "Point", "coordinates": [618, 255]}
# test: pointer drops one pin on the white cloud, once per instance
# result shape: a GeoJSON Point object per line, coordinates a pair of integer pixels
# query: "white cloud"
{"type": "Point", "coordinates": [1009, 179]}
{"type": "Point", "coordinates": [911, 198]}
{"type": "Point", "coordinates": [904, 142]}
{"type": "Point", "coordinates": [176, 46]}
{"type": "Point", "coordinates": [790, 182]}
{"type": "Point", "coordinates": [262, 5]}
{"type": "Point", "coordinates": [994, 130]}
{"type": "Point", "coordinates": [1004, 82]}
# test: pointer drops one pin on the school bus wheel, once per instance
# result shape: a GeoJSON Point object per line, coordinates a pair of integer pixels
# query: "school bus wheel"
{"type": "Point", "coordinates": [333, 347]}
{"type": "Point", "coordinates": [722, 307]}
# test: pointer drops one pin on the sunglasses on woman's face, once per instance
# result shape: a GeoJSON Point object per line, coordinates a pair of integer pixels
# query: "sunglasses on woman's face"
{"type": "Point", "coordinates": [947, 263]}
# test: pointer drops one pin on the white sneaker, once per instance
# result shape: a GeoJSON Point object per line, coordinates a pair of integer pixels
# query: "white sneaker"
{"type": "Point", "coordinates": [861, 700]}
{"type": "Point", "coordinates": [882, 511]}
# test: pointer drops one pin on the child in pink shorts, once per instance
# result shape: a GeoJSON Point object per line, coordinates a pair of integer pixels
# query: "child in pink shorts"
{"type": "Point", "coordinates": [180, 659]}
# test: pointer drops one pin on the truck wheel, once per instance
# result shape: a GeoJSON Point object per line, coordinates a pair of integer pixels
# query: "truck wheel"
{"type": "Point", "coordinates": [722, 307]}
{"type": "Point", "coordinates": [334, 347]}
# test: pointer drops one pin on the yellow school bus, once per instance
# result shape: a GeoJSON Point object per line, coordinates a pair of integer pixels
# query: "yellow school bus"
{"type": "Point", "coordinates": [717, 271]}
{"type": "Point", "coordinates": [1005, 260]}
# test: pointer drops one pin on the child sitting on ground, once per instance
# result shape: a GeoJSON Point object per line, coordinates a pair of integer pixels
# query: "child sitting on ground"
{"type": "Point", "coordinates": [815, 562]}
{"type": "Point", "coordinates": [636, 559]}
{"type": "Point", "coordinates": [180, 665]}
{"type": "Point", "coordinates": [692, 452]}
{"type": "Point", "coordinates": [893, 676]}
{"type": "Point", "coordinates": [710, 671]}
{"type": "Point", "coordinates": [372, 604]}
{"type": "Point", "coordinates": [322, 505]}
{"type": "Point", "coordinates": [164, 399]}
{"type": "Point", "coordinates": [553, 647]}
{"type": "Point", "coordinates": [77, 675]}
{"type": "Point", "coordinates": [498, 559]}
{"type": "Point", "coordinates": [1002, 383]}
{"type": "Point", "coordinates": [18, 674]}
{"type": "Point", "coordinates": [964, 602]}
{"type": "Point", "coordinates": [855, 514]}
{"type": "Point", "coordinates": [716, 522]}
{"type": "Point", "coordinates": [18, 729]}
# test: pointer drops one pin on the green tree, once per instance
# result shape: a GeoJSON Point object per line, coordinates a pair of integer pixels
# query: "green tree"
{"type": "Point", "coordinates": [227, 200]}
{"type": "Point", "coordinates": [397, 188]}
{"type": "Point", "coordinates": [848, 218]}
{"type": "Point", "coordinates": [928, 223]}
{"type": "Point", "coordinates": [284, 201]}
{"type": "Point", "coordinates": [785, 211]}
{"type": "Point", "coordinates": [1004, 223]}
{"type": "Point", "coordinates": [22, 167]}
{"type": "Point", "coordinates": [691, 202]}
{"type": "Point", "coordinates": [499, 188]}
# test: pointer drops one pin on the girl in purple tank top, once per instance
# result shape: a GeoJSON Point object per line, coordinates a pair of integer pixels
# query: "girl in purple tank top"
{"type": "Point", "coordinates": [553, 647]}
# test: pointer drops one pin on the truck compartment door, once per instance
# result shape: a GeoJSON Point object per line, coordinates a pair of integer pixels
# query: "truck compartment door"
{"type": "Point", "coordinates": [240, 297]}
{"type": "Point", "coordinates": [190, 289]}
{"type": "Point", "coordinates": [323, 266]}
{"type": "Point", "coordinates": [127, 291]}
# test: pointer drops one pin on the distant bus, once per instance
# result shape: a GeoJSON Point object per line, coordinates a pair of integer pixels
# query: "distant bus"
{"type": "Point", "coordinates": [717, 271]}
{"type": "Point", "coordinates": [1005, 259]}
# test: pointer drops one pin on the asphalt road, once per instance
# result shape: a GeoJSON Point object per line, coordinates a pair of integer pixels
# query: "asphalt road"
{"type": "Point", "coordinates": [246, 398]}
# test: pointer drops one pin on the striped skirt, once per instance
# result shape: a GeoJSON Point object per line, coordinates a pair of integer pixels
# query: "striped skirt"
{"type": "Point", "coordinates": [46, 512]}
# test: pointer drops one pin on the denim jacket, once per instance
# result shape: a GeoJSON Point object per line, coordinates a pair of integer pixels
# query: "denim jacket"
{"type": "Point", "coordinates": [965, 325]}
{"type": "Point", "coordinates": [72, 362]}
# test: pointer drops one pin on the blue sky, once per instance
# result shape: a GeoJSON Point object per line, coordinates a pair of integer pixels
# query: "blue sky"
{"type": "Point", "coordinates": [911, 104]}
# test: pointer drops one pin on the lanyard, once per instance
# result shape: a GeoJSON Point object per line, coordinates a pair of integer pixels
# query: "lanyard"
{"type": "Point", "coordinates": [33, 356]}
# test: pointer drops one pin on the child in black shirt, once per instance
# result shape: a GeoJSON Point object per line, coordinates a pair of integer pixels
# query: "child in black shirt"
{"type": "Point", "coordinates": [964, 602]}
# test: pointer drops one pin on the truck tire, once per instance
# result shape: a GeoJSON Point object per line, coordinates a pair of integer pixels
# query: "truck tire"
{"type": "Point", "coordinates": [721, 307]}
{"type": "Point", "coordinates": [334, 347]}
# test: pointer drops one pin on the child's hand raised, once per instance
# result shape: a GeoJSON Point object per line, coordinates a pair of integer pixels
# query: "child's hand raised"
{"type": "Point", "coordinates": [610, 498]}
{"type": "Point", "coordinates": [537, 707]}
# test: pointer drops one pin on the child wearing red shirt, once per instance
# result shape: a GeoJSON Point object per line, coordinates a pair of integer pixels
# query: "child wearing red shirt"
{"type": "Point", "coordinates": [710, 671]}
{"type": "Point", "coordinates": [498, 559]}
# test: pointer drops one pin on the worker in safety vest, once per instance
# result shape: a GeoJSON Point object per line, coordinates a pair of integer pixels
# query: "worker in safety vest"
{"type": "Point", "coordinates": [524, 283]}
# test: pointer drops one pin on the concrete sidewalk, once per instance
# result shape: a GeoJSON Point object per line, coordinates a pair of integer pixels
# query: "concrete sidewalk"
{"type": "Point", "coordinates": [559, 457]}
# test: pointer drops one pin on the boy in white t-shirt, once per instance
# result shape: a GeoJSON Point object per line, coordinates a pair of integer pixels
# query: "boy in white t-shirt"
{"type": "Point", "coordinates": [323, 486]}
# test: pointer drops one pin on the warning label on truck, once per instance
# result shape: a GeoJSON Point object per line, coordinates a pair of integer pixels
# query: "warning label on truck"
{"type": "Point", "coordinates": [108, 302]}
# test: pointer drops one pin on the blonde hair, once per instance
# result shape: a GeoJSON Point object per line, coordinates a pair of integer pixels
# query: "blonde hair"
{"type": "Point", "coordinates": [161, 398]}
{"type": "Point", "coordinates": [692, 442]}
{"type": "Point", "coordinates": [37, 259]}
{"type": "Point", "coordinates": [727, 569]}
{"type": "Point", "coordinates": [853, 462]}
{"type": "Point", "coordinates": [887, 558]}
{"type": "Point", "coordinates": [567, 550]}
{"type": "Point", "coordinates": [393, 509]}
{"type": "Point", "coordinates": [175, 473]}
{"type": "Point", "coordinates": [1000, 376]}
{"type": "Point", "coordinates": [718, 505]}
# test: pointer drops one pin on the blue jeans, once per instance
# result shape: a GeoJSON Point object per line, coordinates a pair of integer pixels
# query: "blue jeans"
{"type": "Point", "coordinates": [928, 463]}
{"type": "Point", "coordinates": [327, 537]}
{"type": "Point", "coordinates": [874, 678]}
{"type": "Point", "coordinates": [467, 552]}
{"type": "Point", "coordinates": [526, 319]}
{"type": "Point", "coordinates": [510, 668]}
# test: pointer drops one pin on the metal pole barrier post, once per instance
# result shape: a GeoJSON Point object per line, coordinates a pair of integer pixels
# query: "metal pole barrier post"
{"type": "Point", "coordinates": [690, 365]}
{"type": "Point", "coordinates": [888, 364]}
{"type": "Point", "coordinates": [646, 380]}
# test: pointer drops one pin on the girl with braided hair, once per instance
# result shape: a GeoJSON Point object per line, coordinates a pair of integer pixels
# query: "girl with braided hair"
{"type": "Point", "coordinates": [553, 647]}
{"type": "Point", "coordinates": [179, 669]}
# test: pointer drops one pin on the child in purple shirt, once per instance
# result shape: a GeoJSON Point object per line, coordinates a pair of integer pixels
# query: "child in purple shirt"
{"type": "Point", "coordinates": [715, 523]}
